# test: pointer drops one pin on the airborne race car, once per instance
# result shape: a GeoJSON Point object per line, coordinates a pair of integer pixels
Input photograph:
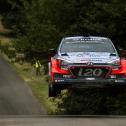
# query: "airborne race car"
{"type": "Point", "coordinates": [84, 62]}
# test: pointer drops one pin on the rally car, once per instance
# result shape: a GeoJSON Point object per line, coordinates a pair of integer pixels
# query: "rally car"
{"type": "Point", "coordinates": [85, 62]}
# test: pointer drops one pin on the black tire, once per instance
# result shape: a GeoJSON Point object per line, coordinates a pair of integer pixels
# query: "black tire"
{"type": "Point", "coordinates": [53, 90]}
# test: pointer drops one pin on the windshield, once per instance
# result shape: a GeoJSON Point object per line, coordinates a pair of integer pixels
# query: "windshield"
{"type": "Point", "coordinates": [82, 45]}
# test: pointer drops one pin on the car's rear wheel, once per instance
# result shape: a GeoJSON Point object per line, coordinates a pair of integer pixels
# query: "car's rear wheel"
{"type": "Point", "coordinates": [53, 90]}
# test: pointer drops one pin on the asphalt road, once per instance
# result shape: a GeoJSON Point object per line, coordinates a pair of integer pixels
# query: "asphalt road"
{"type": "Point", "coordinates": [16, 97]}
{"type": "Point", "coordinates": [45, 121]}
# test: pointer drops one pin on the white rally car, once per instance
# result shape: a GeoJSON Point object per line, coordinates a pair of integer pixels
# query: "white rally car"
{"type": "Point", "coordinates": [85, 61]}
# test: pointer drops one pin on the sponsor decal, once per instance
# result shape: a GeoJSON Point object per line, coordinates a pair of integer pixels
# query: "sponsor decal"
{"type": "Point", "coordinates": [86, 57]}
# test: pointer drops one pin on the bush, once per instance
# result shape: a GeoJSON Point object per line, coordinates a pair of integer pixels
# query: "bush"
{"type": "Point", "coordinates": [95, 101]}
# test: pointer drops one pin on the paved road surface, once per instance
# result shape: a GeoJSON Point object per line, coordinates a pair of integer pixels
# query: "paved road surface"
{"type": "Point", "coordinates": [63, 122]}
{"type": "Point", "coordinates": [15, 96]}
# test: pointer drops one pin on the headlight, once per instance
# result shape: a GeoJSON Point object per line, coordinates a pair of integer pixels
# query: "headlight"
{"type": "Point", "coordinates": [115, 62]}
{"type": "Point", "coordinates": [64, 65]}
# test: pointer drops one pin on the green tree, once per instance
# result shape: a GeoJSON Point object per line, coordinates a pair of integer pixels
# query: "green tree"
{"type": "Point", "coordinates": [44, 22]}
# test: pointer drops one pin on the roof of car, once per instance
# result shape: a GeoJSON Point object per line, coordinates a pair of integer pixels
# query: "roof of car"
{"type": "Point", "coordinates": [89, 37]}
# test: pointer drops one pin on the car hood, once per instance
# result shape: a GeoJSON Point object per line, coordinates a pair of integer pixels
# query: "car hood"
{"type": "Point", "coordinates": [84, 57]}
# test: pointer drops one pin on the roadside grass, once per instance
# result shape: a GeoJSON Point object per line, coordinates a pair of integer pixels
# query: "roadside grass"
{"type": "Point", "coordinates": [5, 41]}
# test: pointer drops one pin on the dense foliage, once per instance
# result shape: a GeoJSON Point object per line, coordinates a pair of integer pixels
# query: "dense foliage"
{"type": "Point", "coordinates": [40, 24]}
{"type": "Point", "coordinates": [92, 101]}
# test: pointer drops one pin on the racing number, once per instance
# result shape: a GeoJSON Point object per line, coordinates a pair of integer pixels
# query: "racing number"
{"type": "Point", "coordinates": [90, 72]}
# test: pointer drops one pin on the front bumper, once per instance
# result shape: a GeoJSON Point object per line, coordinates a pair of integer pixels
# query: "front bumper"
{"type": "Point", "coordinates": [89, 82]}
